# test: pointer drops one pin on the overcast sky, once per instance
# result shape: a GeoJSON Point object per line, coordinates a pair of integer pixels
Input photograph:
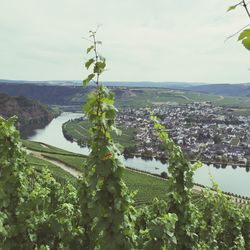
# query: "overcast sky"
{"type": "Point", "coordinates": [143, 40]}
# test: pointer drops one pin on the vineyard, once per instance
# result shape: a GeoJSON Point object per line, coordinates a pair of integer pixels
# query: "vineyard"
{"type": "Point", "coordinates": [43, 209]}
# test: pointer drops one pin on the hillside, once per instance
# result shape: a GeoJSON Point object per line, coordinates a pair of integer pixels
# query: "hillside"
{"type": "Point", "coordinates": [49, 94]}
{"type": "Point", "coordinates": [125, 96]}
{"type": "Point", "coordinates": [31, 114]}
{"type": "Point", "coordinates": [224, 89]}
{"type": "Point", "coordinates": [41, 155]}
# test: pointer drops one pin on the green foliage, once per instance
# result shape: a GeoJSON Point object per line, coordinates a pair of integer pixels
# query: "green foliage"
{"type": "Point", "coordinates": [12, 165]}
{"type": "Point", "coordinates": [156, 228]}
{"type": "Point", "coordinates": [179, 186]}
{"type": "Point", "coordinates": [36, 211]}
{"type": "Point", "coordinates": [217, 223]}
{"type": "Point", "coordinates": [245, 38]}
{"type": "Point", "coordinates": [148, 187]}
{"type": "Point", "coordinates": [103, 195]}
{"type": "Point", "coordinates": [59, 174]}
{"type": "Point", "coordinates": [223, 226]}
{"type": "Point", "coordinates": [51, 213]}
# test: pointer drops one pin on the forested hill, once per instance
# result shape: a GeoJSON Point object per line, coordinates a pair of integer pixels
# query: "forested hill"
{"type": "Point", "coordinates": [71, 92]}
{"type": "Point", "coordinates": [31, 114]}
{"type": "Point", "coordinates": [49, 94]}
{"type": "Point", "coordinates": [54, 94]}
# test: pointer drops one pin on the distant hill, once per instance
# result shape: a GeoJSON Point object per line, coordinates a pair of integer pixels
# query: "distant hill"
{"type": "Point", "coordinates": [49, 94]}
{"type": "Point", "coordinates": [72, 97]}
{"type": "Point", "coordinates": [224, 89]}
{"type": "Point", "coordinates": [31, 114]}
{"type": "Point", "coordinates": [145, 84]}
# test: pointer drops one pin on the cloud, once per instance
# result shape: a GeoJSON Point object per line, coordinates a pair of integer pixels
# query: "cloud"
{"type": "Point", "coordinates": [142, 40]}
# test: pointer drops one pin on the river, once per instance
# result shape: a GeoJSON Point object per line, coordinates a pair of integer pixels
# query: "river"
{"type": "Point", "coordinates": [229, 179]}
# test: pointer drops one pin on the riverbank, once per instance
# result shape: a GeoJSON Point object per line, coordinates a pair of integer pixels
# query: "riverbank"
{"type": "Point", "coordinates": [78, 131]}
{"type": "Point", "coordinates": [73, 164]}
{"type": "Point", "coordinates": [164, 159]}
{"type": "Point", "coordinates": [229, 179]}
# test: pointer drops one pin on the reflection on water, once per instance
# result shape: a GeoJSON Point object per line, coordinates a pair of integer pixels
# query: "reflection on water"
{"type": "Point", "coordinates": [52, 134]}
{"type": "Point", "coordinates": [230, 179]}
{"type": "Point", "coordinates": [30, 130]}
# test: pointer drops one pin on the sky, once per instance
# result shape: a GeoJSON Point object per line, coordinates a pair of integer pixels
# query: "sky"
{"type": "Point", "coordinates": [143, 40]}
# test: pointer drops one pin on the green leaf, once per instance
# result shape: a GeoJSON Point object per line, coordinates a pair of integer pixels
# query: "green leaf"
{"type": "Point", "coordinates": [116, 130]}
{"type": "Point", "coordinates": [154, 118]}
{"type": "Point", "coordinates": [90, 48]}
{"type": "Point", "coordinates": [196, 166]}
{"type": "Point", "coordinates": [90, 103]}
{"type": "Point", "coordinates": [233, 7]}
{"type": "Point", "coordinates": [88, 79]}
{"type": "Point", "coordinates": [244, 37]}
{"type": "Point", "coordinates": [99, 67]}
{"type": "Point", "coordinates": [89, 62]}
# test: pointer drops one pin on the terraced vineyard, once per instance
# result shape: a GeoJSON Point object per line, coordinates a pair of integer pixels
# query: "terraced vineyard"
{"type": "Point", "coordinates": [142, 97]}
{"type": "Point", "coordinates": [147, 187]}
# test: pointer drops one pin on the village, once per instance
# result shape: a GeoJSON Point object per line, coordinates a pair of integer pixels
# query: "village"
{"type": "Point", "coordinates": [205, 132]}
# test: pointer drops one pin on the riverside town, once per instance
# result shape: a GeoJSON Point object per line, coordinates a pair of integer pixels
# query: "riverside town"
{"type": "Point", "coordinates": [210, 133]}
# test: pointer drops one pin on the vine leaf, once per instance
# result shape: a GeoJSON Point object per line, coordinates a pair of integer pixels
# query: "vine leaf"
{"type": "Point", "coordinates": [244, 37]}
{"type": "Point", "coordinates": [89, 62]}
{"type": "Point", "coordinates": [99, 67]}
{"type": "Point", "coordinates": [90, 48]}
{"type": "Point", "coordinates": [233, 7]}
{"type": "Point", "coordinates": [88, 79]}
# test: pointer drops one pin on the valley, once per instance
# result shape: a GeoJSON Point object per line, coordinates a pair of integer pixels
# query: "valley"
{"type": "Point", "coordinates": [134, 104]}
{"type": "Point", "coordinates": [224, 175]}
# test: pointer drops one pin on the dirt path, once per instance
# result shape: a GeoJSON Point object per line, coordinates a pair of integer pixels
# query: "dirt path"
{"type": "Point", "coordinates": [44, 146]}
{"type": "Point", "coordinates": [59, 164]}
